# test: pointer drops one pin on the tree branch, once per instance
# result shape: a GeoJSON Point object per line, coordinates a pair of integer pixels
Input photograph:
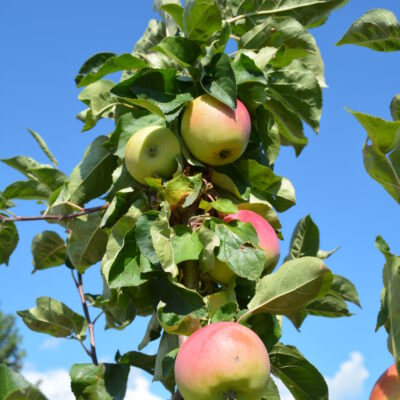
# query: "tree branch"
{"type": "Point", "coordinates": [79, 286]}
{"type": "Point", "coordinates": [61, 217]}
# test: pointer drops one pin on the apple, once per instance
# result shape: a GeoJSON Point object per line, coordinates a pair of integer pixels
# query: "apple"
{"type": "Point", "coordinates": [387, 386]}
{"type": "Point", "coordinates": [213, 132]}
{"type": "Point", "coordinates": [152, 151]}
{"type": "Point", "coordinates": [267, 240]}
{"type": "Point", "coordinates": [224, 360]}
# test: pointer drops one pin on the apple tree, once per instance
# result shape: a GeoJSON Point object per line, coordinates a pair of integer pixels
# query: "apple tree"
{"type": "Point", "coordinates": [379, 30]}
{"type": "Point", "coordinates": [160, 241]}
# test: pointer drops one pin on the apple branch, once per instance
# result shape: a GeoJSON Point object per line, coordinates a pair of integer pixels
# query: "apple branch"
{"type": "Point", "coordinates": [79, 286]}
{"type": "Point", "coordinates": [61, 217]}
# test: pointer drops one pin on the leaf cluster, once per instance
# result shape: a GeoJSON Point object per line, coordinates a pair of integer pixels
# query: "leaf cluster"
{"type": "Point", "coordinates": [155, 244]}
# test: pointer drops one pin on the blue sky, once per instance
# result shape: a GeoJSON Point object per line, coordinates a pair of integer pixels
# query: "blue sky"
{"type": "Point", "coordinates": [42, 46]}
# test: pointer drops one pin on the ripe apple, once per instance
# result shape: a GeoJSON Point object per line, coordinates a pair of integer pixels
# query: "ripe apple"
{"type": "Point", "coordinates": [223, 361]}
{"type": "Point", "coordinates": [152, 151]}
{"type": "Point", "coordinates": [387, 386]}
{"type": "Point", "coordinates": [214, 133]}
{"type": "Point", "coordinates": [267, 240]}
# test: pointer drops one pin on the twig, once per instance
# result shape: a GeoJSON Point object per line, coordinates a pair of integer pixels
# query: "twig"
{"type": "Point", "coordinates": [79, 286]}
{"type": "Point", "coordinates": [61, 217]}
{"type": "Point", "coordinates": [95, 320]}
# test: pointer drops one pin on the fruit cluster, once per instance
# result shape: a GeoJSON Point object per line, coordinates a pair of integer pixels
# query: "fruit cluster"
{"type": "Point", "coordinates": [224, 360]}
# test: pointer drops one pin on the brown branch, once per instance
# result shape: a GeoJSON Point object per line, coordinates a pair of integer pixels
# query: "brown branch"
{"type": "Point", "coordinates": [61, 217]}
{"type": "Point", "coordinates": [79, 286]}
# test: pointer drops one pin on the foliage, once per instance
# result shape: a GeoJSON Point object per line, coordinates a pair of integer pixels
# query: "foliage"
{"type": "Point", "coordinates": [379, 30]}
{"type": "Point", "coordinates": [11, 354]}
{"type": "Point", "coordinates": [156, 243]}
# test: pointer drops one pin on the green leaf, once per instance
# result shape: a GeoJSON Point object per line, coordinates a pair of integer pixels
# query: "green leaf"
{"type": "Point", "coordinates": [268, 134]}
{"type": "Point", "coordinates": [310, 13]}
{"type": "Point", "coordinates": [305, 239]}
{"type": "Point", "coordinates": [27, 190]}
{"type": "Point", "coordinates": [267, 327]}
{"type": "Point", "coordinates": [54, 318]}
{"type": "Point", "coordinates": [289, 125]}
{"type": "Point", "coordinates": [186, 244]}
{"type": "Point", "coordinates": [293, 40]}
{"type": "Point", "coordinates": [136, 359]}
{"type": "Point", "coordinates": [182, 50]}
{"type": "Point", "coordinates": [296, 87]}
{"type": "Point", "coordinates": [301, 378]}
{"type": "Point", "coordinates": [159, 86]}
{"type": "Point", "coordinates": [295, 284]}
{"type": "Point", "coordinates": [263, 208]}
{"type": "Point", "coordinates": [377, 29]}
{"type": "Point", "coordinates": [121, 203]}
{"type": "Point", "coordinates": [385, 135]}
{"type": "Point", "coordinates": [224, 206]}
{"type": "Point", "coordinates": [181, 311]}
{"type": "Point", "coordinates": [153, 332]}
{"type": "Point", "coordinates": [345, 289]}
{"type": "Point", "coordinates": [40, 141]}
{"type": "Point", "coordinates": [161, 235]}
{"type": "Point", "coordinates": [93, 175]}
{"type": "Point", "coordinates": [116, 238]}
{"type": "Point", "coordinates": [104, 381]}
{"type": "Point", "coordinates": [87, 242]}
{"type": "Point", "coordinates": [385, 171]}
{"type": "Point", "coordinates": [201, 19]}
{"type": "Point", "coordinates": [129, 264]}
{"type": "Point", "coordinates": [154, 33]}
{"type": "Point", "coordinates": [238, 249]}
{"type": "Point", "coordinates": [395, 108]}
{"type": "Point", "coordinates": [164, 371]}
{"type": "Point", "coordinates": [272, 392]}
{"type": "Point", "coordinates": [14, 386]}
{"type": "Point", "coordinates": [219, 80]}
{"type": "Point", "coordinates": [246, 71]}
{"type": "Point", "coordinates": [177, 190]}
{"type": "Point", "coordinates": [175, 11]}
{"type": "Point", "coordinates": [48, 250]}
{"type": "Point", "coordinates": [118, 307]}
{"type": "Point", "coordinates": [263, 182]}
{"type": "Point", "coordinates": [102, 64]}
{"type": "Point", "coordinates": [97, 97]}
{"type": "Point", "coordinates": [23, 164]}
{"type": "Point", "coordinates": [391, 280]}
{"type": "Point", "coordinates": [8, 240]}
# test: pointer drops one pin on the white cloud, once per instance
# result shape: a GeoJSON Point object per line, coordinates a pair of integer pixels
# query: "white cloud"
{"type": "Point", "coordinates": [347, 384]}
{"type": "Point", "coordinates": [50, 344]}
{"type": "Point", "coordinates": [348, 381]}
{"type": "Point", "coordinates": [55, 384]}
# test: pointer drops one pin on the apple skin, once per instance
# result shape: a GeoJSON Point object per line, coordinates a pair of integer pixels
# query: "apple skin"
{"type": "Point", "coordinates": [214, 133]}
{"type": "Point", "coordinates": [152, 152]}
{"type": "Point", "coordinates": [267, 240]}
{"type": "Point", "coordinates": [222, 359]}
{"type": "Point", "coordinates": [387, 386]}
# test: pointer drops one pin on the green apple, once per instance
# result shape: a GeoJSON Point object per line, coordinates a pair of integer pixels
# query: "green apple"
{"type": "Point", "coordinates": [152, 152]}
{"type": "Point", "coordinates": [213, 132]}
{"type": "Point", "coordinates": [222, 361]}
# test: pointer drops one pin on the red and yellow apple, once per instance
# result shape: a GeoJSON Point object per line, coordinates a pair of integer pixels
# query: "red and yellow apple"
{"type": "Point", "coordinates": [387, 386]}
{"type": "Point", "coordinates": [152, 152]}
{"type": "Point", "coordinates": [267, 240]}
{"type": "Point", "coordinates": [213, 132]}
{"type": "Point", "coordinates": [223, 361]}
